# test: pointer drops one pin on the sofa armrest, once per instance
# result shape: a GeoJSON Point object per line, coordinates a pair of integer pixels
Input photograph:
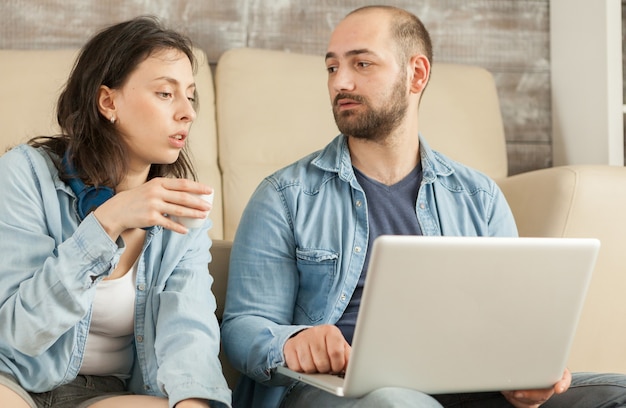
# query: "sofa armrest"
{"type": "Point", "coordinates": [541, 200]}
{"type": "Point", "coordinates": [583, 201]}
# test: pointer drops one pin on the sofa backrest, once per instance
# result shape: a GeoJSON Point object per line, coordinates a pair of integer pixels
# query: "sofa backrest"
{"type": "Point", "coordinates": [34, 80]}
{"type": "Point", "coordinates": [460, 116]}
{"type": "Point", "coordinates": [273, 107]}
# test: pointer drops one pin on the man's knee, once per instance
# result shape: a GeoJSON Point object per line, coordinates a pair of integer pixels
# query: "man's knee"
{"type": "Point", "coordinates": [592, 390]}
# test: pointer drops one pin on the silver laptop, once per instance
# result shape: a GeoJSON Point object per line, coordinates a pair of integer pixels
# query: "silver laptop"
{"type": "Point", "coordinates": [465, 314]}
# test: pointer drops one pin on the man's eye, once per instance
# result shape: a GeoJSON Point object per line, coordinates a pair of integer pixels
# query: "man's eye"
{"type": "Point", "coordinates": [364, 64]}
{"type": "Point", "coordinates": [331, 69]}
{"type": "Point", "coordinates": [164, 95]}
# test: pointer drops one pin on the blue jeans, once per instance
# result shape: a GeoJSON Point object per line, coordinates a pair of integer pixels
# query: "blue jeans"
{"type": "Point", "coordinates": [588, 390]}
{"type": "Point", "coordinates": [82, 392]}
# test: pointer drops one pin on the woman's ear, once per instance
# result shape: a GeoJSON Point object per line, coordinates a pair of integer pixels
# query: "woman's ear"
{"type": "Point", "coordinates": [420, 71]}
{"type": "Point", "coordinates": [106, 103]}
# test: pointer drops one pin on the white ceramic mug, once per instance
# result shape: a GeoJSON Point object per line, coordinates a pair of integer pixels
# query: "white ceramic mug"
{"type": "Point", "coordinates": [195, 222]}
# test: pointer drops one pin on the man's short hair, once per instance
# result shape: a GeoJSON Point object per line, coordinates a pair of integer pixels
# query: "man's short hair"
{"type": "Point", "coordinates": [408, 31]}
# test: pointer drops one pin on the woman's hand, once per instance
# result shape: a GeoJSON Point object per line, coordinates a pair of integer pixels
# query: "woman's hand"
{"type": "Point", "coordinates": [150, 203]}
{"type": "Point", "coordinates": [534, 398]}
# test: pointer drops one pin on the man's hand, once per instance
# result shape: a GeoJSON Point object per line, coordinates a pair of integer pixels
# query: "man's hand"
{"type": "Point", "coordinates": [319, 349]}
{"type": "Point", "coordinates": [534, 398]}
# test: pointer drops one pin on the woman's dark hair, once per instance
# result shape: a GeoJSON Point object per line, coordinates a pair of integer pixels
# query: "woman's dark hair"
{"type": "Point", "coordinates": [94, 147]}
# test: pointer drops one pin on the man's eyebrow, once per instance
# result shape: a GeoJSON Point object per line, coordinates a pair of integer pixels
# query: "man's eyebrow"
{"type": "Point", "coordinates": [174, 81]}
{"type": "Point", "coordinates": [350, 53]}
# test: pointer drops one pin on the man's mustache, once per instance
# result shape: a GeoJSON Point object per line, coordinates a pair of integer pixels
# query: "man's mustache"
{"type": "Point", "coordinates": [356, 98]}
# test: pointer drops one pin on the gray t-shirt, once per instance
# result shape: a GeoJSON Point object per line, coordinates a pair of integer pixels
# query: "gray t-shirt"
{"type": "Point", "coordinates": [390, 211]}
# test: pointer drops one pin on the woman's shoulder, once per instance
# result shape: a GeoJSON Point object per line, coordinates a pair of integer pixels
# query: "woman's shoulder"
{"type": "Point", "coordinates": [24, 158]}
{"type": "Point", "coordinates": [17, 155]}
{"type": "Point", "coordinates": [26, 151]}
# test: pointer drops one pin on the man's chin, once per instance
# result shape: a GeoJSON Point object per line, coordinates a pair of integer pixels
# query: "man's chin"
{"type": "Point", "coordinates": [347, 123]}
{"type": "Point", "coordinates": [356, 133]}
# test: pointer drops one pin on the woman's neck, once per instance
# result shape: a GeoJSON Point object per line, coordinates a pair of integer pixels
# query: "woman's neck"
{"type": "Point", "coordinates": [133, 179]}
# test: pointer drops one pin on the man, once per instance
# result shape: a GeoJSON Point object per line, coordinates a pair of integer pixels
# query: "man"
{"type": "Point", "coordinates": [300, 255]}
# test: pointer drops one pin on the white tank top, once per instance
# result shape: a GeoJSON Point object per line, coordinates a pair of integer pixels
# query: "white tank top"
{"type": "Point", "coordinates": [109, 348]}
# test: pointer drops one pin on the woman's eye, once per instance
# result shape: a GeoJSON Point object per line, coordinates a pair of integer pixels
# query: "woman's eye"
{"type": "Point", "coordinates": [192, 99]}
{"type": "Point", "coordinates": [164, 95]}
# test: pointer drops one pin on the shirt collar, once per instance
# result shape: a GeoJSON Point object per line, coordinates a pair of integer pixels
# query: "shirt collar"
{"type": "Point", "coordinates": [335, 158]}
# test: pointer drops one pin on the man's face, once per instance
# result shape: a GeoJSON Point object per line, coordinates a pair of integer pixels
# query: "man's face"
{"type": "Point", "coordinates": [372, 122]}
{"type": "Point", "coordinates": [368, 89]}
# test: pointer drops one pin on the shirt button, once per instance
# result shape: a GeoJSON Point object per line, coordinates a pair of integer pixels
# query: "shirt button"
{"type": "Point", "coordinates": [357, 249]}
{"type": "Point", "coordinates": [359, 203]}
{"type": "Point", "coordinates": [343, 297]}
{"type": "Point", "coordinates": [146, 387]}
{"type": "Point", "coordinates": [141, 287]}
{"type": "Point", "coordinates": [140, 338]}
{"type": "Point", "coordinates": [422, 206]}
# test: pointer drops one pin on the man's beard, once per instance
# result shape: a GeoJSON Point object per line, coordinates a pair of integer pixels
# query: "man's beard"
{"type": "Point", "coordinates": [373, 124]}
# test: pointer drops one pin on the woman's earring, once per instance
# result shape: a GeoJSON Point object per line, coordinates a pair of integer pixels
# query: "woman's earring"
{"type": "Point", "coordinates": [112, 120]}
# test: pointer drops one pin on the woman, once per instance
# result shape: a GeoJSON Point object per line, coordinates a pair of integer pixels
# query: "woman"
{"type": "Point", "coordinates": [105, 300]}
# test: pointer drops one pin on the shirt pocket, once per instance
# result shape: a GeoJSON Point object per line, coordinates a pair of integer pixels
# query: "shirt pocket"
{"type": "Point", "coordinates": [317, 269]}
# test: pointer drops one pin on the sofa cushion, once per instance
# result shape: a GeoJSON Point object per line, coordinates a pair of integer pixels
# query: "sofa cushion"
{"type": "Point", "coordinates": [272, 109]}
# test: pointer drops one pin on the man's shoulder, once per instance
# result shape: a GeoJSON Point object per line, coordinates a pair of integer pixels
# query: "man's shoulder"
{"type": "Point", "coordinates": [457, 172]}
{"type": "Point", "coordinates": [312, 168]}
{"type": "Point", "coordinates": [302, 171]}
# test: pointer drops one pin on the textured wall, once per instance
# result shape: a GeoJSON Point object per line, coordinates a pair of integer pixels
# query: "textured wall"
{"type": "Point", "coordinates": [508, 37]}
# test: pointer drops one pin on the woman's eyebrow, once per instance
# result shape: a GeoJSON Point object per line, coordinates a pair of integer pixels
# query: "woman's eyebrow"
{"type": "Point", "coordinates": [174, 81]}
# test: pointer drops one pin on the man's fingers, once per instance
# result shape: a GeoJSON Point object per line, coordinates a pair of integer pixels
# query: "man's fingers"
{"type": "Point", "coordinates": [317, 349]}
{"type": "Point", "coordinates": [321, 361]}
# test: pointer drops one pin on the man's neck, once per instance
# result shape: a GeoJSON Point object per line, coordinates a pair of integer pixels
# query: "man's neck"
{"type": "Point", "coordinates": [387, 161]}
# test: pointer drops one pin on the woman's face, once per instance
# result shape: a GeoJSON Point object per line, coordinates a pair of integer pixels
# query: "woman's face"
{"type": "Point", "coordinates": [154, 109]}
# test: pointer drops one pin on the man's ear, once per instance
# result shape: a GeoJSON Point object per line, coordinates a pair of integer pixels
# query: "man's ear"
{"type": "Point", "coordinates": [106, 103]}
{"type": "Point", "coordinates": [420, 72]}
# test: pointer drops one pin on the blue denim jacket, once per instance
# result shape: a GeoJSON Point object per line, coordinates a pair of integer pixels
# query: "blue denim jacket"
{"type": "Point", "coordinates": [50, 266]}
{"type": "Point", "coordinates": [301, 245]}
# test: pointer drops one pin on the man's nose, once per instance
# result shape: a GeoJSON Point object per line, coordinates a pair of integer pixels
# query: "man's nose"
{"type": "Point", "coordinates": [343, 80]}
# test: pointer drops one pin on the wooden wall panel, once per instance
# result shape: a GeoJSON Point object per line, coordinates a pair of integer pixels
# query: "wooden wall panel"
{"type": "Point", "coordinates": [525, 105]}
{"type": "Point", "coordinates": [509, 38]}
{"type": "Point", "coordinates": [214, 25]}
{"type": "Point", "coordinates": [496, 34]}
{"type": "Point", "coordinates": [528, 156]}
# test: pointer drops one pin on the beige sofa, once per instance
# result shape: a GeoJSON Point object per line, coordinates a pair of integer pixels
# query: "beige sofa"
{"type": "Point", "coordinates": [264, 109]}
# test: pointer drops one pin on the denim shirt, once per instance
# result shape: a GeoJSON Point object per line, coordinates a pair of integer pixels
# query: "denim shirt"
{"type": "Point", "coordinates": [51, 264]}
{"type": "Point", "coordinates": [301, 244]}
